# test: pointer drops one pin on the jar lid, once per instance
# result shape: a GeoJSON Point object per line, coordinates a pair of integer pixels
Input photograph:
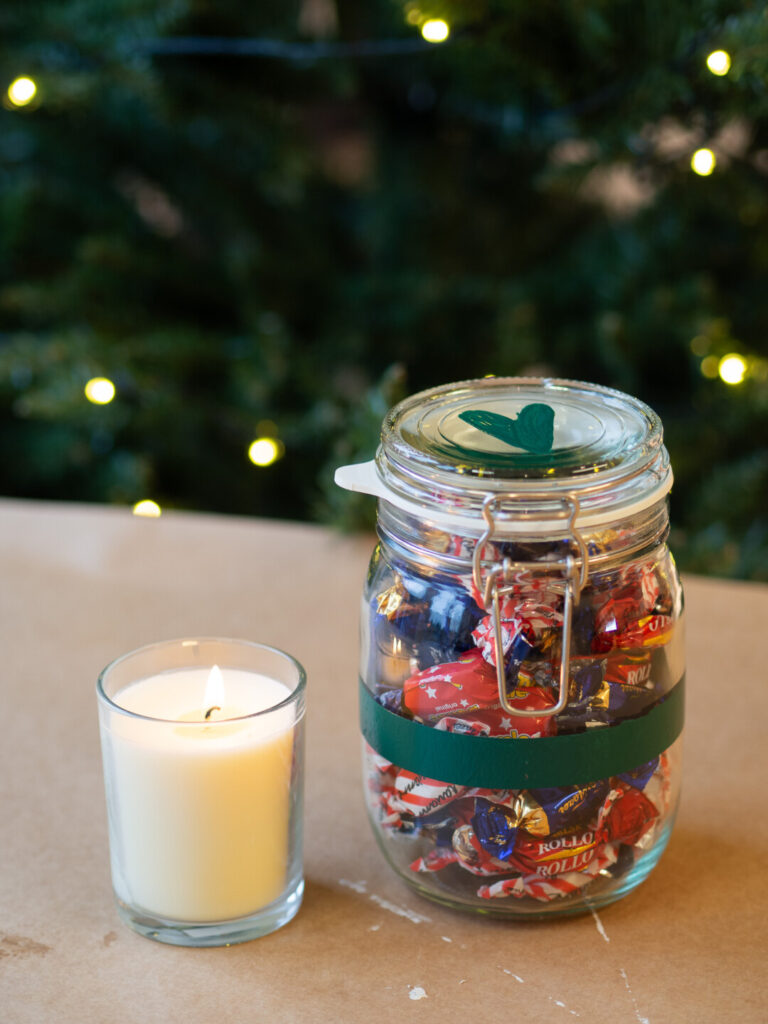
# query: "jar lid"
{"type": "Point", "coordinates": [532, 443]}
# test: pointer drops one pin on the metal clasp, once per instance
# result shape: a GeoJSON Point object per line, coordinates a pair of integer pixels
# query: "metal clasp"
{"type": "Point", "coordinates": [573, 577]}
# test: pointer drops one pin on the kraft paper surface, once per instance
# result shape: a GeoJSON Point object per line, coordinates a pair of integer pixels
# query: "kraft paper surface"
{"type": "Point", "coordinates": [84, 584]}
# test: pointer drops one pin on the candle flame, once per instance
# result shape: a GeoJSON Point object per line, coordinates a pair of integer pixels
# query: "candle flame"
{"type": "Point", "coordinates": [214, 692]}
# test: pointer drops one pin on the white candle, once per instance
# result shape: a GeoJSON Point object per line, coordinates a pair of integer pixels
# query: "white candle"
{"type": "Point", "coordinates": [201, 807]}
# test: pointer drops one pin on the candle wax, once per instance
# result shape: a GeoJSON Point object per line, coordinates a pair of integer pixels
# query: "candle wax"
{"type": "Point", "coordinates": [202, 808]}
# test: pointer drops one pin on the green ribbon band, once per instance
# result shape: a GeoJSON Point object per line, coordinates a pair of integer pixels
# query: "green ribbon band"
{"type": "Point", "coordinates": [521, 762]}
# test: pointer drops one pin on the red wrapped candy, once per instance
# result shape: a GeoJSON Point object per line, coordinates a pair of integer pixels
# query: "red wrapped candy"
{"type": "Point", "coordinates": [468, 684]}
{"type": "Point", "coordinates": [630, 815]}
{"type": "Point", "coordinates": [629, 669]}
{"type": "Point", "coordinates": [546, 888]}
{"type": "Point", "coordinates": [555, 855]}
{"type": "Point", "coordinates": [418, 795]}
{"type": "Point", "coordinates": [498, 722]}
{"type": "Point", "coordinates": [619, 623]}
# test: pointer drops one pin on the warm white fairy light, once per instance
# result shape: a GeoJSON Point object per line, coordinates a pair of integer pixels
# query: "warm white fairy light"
{"type": "Point", "coordinates": [719, 62]}
{"type": "Point", "coordinates": [435, 30]}
{"type": "Point", "coordinates": [22, 91]}
{"type": "Point", "coordinates": [732, 368]}
{"type": "Point", "coordinates": [703, 162]}
{"type": "Point", "coordinates": [99, 390]}
{"type": "Point", "coordinates": [264, 451]}
{"type": "Point", "coordinates": [147, 508]}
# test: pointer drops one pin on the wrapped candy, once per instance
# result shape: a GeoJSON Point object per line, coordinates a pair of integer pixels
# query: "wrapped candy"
{"type": "Point", "coordinates": [463, 696]}
{"type": "Point", "coordinates": [631, 815]}
{"type": "Point", "coordinates": [525, 625]}
{"type": "Point", "coordinates": [619, 625]}
{"type": "Point", "coordinates": [541, 812]}
{"type": "Point", "coordinates": [604, 689]}
{"type": "Point", "coordinates": [420, 796]}
{"type": "Point", "coordinates": [435, 610]}
{"type": "Point", "coordinates": [543, 889]}
{"type": "Point", "coordinates": [499, 722]}
{"type": "Point", "coordinates": [468, 684]}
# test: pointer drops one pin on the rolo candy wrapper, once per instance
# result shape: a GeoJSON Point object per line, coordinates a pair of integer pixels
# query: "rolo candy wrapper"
{"type": "Point", "coordinates": [629, 668]}
{"type": "Point", "coordinates": [545, 888]}
{"type": "Point", "coordinates": [557, 855]}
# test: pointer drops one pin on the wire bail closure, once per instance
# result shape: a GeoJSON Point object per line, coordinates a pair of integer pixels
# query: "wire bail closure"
{"type": "Point", "coordinates": [574, 571]}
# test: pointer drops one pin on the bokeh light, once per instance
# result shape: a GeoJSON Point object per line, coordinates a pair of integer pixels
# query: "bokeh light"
{"type": "Point", "coordinates": [264, 451]}
{"type": "Point", "coordinates": [435, 30]}
{"type": "Point", "coordinates": [99, 390]}
{"type": "Point", "coordinates": [709, 367]}
{"type": "Point", "coordinates": [732, 368]}
{"type": "Point", "coordinates": [703, 162]}
{"type": "Point", "coordinates": [22, 91]}
{"type": "Point", "coordinates": [719, 62]}
{"type": "Point", "coordinates": [147, 508]}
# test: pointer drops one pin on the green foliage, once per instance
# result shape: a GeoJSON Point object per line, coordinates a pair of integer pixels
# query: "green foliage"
{"type": "Point", "coordinates": [288, 243]}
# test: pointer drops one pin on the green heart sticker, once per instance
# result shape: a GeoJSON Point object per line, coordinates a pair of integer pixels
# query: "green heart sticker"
{"type": "Point", "coordinates": [533, 429]}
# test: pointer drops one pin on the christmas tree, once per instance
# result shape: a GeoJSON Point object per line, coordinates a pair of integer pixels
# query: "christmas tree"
{"type": "Point", "coordinates": [232, 235]}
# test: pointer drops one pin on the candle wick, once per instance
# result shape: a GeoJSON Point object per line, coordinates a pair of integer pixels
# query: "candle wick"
{"type": "Point", "coordinates": [210, 711]}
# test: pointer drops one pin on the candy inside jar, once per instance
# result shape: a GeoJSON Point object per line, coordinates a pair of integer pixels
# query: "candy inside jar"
{"type": "Point", "coordinates": [522, 665]}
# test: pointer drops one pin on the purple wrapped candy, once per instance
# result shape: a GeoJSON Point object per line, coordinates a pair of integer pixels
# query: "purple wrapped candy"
{"type": "Point", "coordinates": [495, 826]}
{"type": "Point", "coordinates": [416, 623]}
{"type": "Point", "coordinates": [392, 700]}
{"type": "Point", "coordinates": [640, 777]}
{"type": "Point", "coordinates": [438, 610]}
{"type": "Point", "coordinates": [566, 807]}
{"type": "Point", "coordinates": [608, 688]}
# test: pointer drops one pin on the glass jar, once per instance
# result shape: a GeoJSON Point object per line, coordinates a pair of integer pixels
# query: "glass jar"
{"type": "Point", "coordinates": [522, 662]}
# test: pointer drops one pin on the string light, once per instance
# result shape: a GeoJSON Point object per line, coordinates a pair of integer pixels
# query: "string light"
{"type": "Point", "coordinates": [22, 91]}
{"type": "Point", "coordinates": [99, 390]}
{"type": "Point", "coordinates": [732, 368]}
{"type": "Point", "coordinates": [703, 162]}
{"type": "Point", "coordinates": [435, 30]}
{"type": "Point", "coordinates": [719, 62]}
{"type": "Point", "coordinates": [265, 450]}
{"type": "Point", "coordinates": [147, 508]}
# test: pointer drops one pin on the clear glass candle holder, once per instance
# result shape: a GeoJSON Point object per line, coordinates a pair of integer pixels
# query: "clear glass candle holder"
{"type": "Point", "coordinates": [203, 749]}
